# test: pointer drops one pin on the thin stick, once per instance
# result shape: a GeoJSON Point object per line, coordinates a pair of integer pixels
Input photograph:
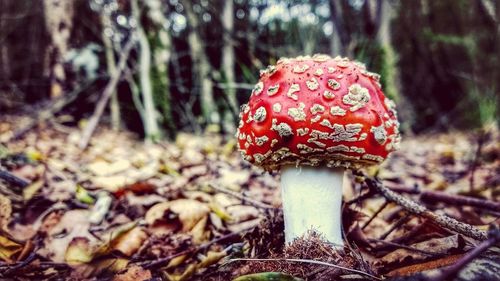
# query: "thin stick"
{"type": "Point", "coordinates": [242, 197]}
{"type": "Point", "coordinates": [398, 223]}
{"type": "Point", "coordinates": [163, 261]}
{"type": "Point", "coordinates": [108, 91]}
{"type": "Point", "coordinates": [397, 245]}
{"type": "Point", "coordinates": [375, 214]}
{"type": "Point", "coordinates": [53, 108]}
{"type": "Point", "coordinates": [415, 208]}
{"type": "Point", "coordinates": [480, 141]}
{"type": "Point", "coordinates": [458, 200]}
{"type": "Point", "coordinates": [307, 261]}
{"type": "Point", "coordinates": [453, 270]}
{"type": "Point", "coordinates": [13, 179]}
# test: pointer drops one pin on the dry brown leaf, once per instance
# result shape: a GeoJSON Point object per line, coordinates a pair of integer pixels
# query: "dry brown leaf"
{"type": "Point", "coordinates": [436, 246]}
{"type": "Point", "coordinates": [103, 168]}
{"type": "Point", "coordinates": [189, 212]}
{"type": "Point", "coordinates": [130, 242]}
{"type": "Point", "coordinates": [134, 273]}
{"type": "Point", "coordinates": [5, 212]}
{"type": "Point", "coordinates": [79, 251]}
{"type": "Point", "coordinates": [75, 223]}
{"type": "Point", "coordinates": [8, 249]}
{"type": "Point", "coordinates": [112, 183]}
{"type": "Point", "coordinates": [32, 189]}
{"type": "Point", "coordinates": [416, 268]}
{"type": "Point", "coordinates": [241, 213]}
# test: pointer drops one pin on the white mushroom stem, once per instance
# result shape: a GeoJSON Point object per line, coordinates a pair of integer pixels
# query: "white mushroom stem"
{"type": "Point", "coordinates": [312, 199]}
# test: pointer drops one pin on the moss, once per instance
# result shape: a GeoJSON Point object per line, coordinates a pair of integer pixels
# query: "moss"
{"type": "Point", "coordinates": [160, 84]}
{"type": "Point", "coordinates": [382, 60]}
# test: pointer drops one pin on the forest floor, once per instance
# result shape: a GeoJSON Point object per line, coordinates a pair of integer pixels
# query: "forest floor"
{"type": "Point", "coordinates": [185, 210]}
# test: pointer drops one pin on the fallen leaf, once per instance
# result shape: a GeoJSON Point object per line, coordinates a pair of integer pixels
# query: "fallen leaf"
{"type": "Point", "coordinates": [134, 273]}
{"type": "Point", "coordinates": [79, 251]}
{"type": "Point", "coordinates": [189, 212]}
{"type": "Point", "coordinates": [112, 183]}
{"type": "Point", "coordinates": [83, 195]}
{"type": "Point", "coordinates": [188, 272]}
{"type": "Point", "coordinates": [416, 268]}
{"type": "Point", "coordinates": [241, 213]}
{"type": "Point", "coordinates": [103, 168]}
{"type": "Point", "coordinates": [75, 223]}
{"type": "Point", "coordinates": [8, 249]}
{"type": "Point", "coordinates": [211, 258]}
{"type": "Point", "coordinates": [130, 242]}
{"type": "Point", "coordinates": [100, 208]}
{"type": "Point", "coordinates": [436, 246]}
{"type": "Point", "coordinates": [32, 189]}
{"type": "Point", "coordinates": [5, 211]}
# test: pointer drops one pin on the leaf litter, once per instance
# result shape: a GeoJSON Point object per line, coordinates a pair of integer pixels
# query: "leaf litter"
{"type": "Point", "coordinates": [182, 210]}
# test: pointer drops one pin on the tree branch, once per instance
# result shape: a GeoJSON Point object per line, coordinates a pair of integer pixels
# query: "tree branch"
{"type": "Point", "coordinates": [108, 91]}
{"type": "Point", "coordinates": [413, 207]}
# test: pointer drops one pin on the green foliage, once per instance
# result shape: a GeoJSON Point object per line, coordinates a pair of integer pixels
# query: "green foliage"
{"type": "Point", "coordinates": [160, 84]}
{"type": "Point", "coordinates": [382, 60]}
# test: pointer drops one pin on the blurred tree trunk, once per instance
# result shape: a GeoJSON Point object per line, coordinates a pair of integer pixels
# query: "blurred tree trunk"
{"type": "Point", "coordinates": [382, 28]}
{"type": "Point", "coordinates": [59, 23]}
{"type": "Point", "coordinates": [111, 67]}
{"type": "Point", "coordinates": [201, 66]}
{"type": "Point", "coordinates": [382, 24]}
{"type": "Point", "coordinates": [4, 55]}
{"type": "Point", "coordinates": [161, 53]}
{"type": "Point", "coordinates": [227, 19]}
{"type": "Point", "coordinates": [150, 120]}
{"type": "Point", "coordinates": [340, 37]}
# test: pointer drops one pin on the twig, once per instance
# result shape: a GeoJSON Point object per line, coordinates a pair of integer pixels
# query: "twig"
{"type": "Point", "coordinates": [452, 271]}
{"type": "Point", "coordinates": [458, 200]}
{"type": "Point", "coordinates": [51, 110]}
{"type": "Point", "coordinates": [163, 261]}
{"type": "Point", "coordinates": [398, 223]}
{"type": "Point", "coordinates": [108, 91]}
{"type": "Point", "coordinates": [375, 214]}
{"type": "Point", "coordinates": [242, 197]}
{"type": "Point", "coordinates": [415, 208]}
{"type": "Point", "coordinates": [10, 178]}
{"type": "Point", "coordinates": [480, 141]}
{"type": "Point", "coordinates": [397, 245]}
{"type": "Point", "coordinates": [307, 261]}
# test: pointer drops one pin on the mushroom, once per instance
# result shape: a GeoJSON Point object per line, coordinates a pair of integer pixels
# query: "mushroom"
{"type": "Point", "coordinates": [313, 118]}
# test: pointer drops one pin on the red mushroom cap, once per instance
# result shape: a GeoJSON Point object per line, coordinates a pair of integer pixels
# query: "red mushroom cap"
{"type": "Point", "coordinates": [317, 111]}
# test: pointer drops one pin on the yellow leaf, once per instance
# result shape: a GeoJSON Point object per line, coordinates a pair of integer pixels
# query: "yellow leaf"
{"type": "Point", "coordinates": [32, 189]}
{"type": "Point", "coordinates": [190, 270]}
{"type": "Point", "coordinates": [176, 261]}
{"type": "Point", "coordinates": [79, 251]}
{"type": "Point", "coordinates": [33, 154]}
{"type": "Point", "coordinates": [211, 258]}
{"type": "Point", "coordinates": [220, 211]}
{"type": "Point", "coordinates": [8, 249]}
{"type": "Point", "coordinates": [5, 211]}
{"type": "Point", "coordinates": [83, 195]}
{"type": "Point", "coordinates": [198, 232]}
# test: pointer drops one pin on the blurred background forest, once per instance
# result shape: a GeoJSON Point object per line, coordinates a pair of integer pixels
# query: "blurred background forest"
{"type": "Point", "coordinates": [180, 65]}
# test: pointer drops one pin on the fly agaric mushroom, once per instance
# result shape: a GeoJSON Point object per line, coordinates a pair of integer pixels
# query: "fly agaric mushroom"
{"type": "Point", "coordinates": [312, 118]}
